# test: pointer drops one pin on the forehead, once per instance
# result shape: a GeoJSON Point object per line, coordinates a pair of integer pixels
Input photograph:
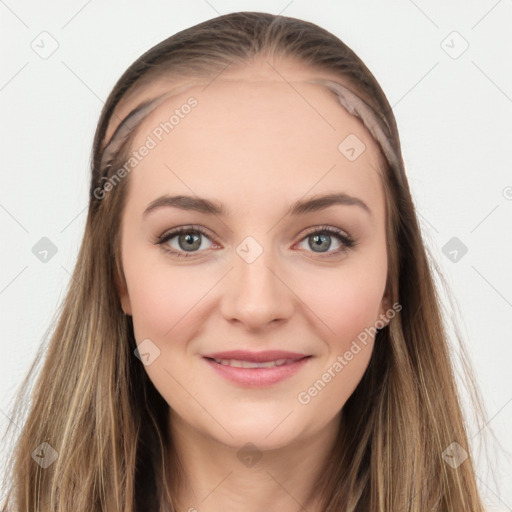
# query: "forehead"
{"type": "Point", "coordinates": [235, 113]}
{"type": "Point", "coordinates": [278, 70]}
{"type": "Point", "coordinates": [262, 129]}
{"type": "Point", "coordinates": [254, 144]}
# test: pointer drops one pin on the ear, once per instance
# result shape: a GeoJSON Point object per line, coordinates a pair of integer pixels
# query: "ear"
{"type": "Point", "coordinates": [124, 296]}
{"type": "Point", "coordinates": [385, 306]}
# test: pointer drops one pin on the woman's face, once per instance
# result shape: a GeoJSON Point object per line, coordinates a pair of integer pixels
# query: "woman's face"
{"type": "Point", "coordinates": [265, 275]}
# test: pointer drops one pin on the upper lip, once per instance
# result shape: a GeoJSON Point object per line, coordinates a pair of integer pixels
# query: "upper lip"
{"type": "Point", "coordinates": [257, 357]}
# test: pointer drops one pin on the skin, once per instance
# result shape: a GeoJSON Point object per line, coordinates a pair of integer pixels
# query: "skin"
{"type": "Point", "coordinates": [255, 144]}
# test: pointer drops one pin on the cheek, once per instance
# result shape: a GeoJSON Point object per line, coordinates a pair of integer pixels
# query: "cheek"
{"type": "Point", "coordinates": [348, 313]}
{"type": "Point", "coordinates": [162, 297]}
{"type": "Point", "coordinates": [345, 302]}
{"type": "Point", "coordinates": [165, 304]}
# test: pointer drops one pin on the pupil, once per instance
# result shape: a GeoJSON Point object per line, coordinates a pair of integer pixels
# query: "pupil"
{"type": "Point", "coordinates": [319, 240]}
{"type": "Point", "coordinates": [189, 241]}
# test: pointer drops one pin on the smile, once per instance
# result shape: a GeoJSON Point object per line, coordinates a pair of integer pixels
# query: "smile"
{"type": "Point", "coordinates": [256, 374]}
{"type": "Point", "coordinates": [251, 364]}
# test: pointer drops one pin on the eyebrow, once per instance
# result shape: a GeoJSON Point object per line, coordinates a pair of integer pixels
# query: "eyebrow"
{"type": "Point", "coordinates": [300, 207]}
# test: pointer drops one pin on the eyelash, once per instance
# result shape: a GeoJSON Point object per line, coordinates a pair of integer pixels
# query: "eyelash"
{"type": "Point", "coordinates": [347, 241]}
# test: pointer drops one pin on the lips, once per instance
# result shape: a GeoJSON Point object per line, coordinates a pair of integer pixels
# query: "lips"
{"type": "Point", "coordinates": [256, 369]}
{"type": "Point", "coordinates": [256, 357]}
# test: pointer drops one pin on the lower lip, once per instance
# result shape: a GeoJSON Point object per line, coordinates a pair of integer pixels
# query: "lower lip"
{"type": "Point", "coordinates": [257, 377]}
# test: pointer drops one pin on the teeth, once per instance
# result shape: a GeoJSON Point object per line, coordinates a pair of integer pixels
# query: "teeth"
{"type": "Point", "coordinates": [250, 364]}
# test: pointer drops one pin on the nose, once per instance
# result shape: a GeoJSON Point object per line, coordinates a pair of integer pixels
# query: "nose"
{"type": "Point", "coordinates": [256, 294]}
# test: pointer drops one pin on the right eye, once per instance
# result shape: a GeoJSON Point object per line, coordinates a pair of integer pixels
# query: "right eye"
{"type": "Point", "coordinates": [189, 239]}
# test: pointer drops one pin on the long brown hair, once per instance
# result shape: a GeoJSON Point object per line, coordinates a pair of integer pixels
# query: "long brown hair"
{"type": "Point", "coordinates": [94, 405]}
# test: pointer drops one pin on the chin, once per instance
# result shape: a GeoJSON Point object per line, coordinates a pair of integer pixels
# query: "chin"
{"type": "Point", "coordinates": [264, 434]}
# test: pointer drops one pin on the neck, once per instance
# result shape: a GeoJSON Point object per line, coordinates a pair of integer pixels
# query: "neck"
{"type": "Point", "coordinates": [215, 476]}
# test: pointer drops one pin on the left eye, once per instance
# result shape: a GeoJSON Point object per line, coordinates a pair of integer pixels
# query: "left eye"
{"type": "Point", "coordinates": [321, 238]}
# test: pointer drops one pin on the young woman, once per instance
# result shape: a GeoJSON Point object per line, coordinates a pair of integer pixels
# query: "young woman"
{"type": "Point", "coordinates": [252, 322]}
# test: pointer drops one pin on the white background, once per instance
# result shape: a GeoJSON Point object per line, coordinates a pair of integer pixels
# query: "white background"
{"type": "Point", "coordinates": [453, 114]}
